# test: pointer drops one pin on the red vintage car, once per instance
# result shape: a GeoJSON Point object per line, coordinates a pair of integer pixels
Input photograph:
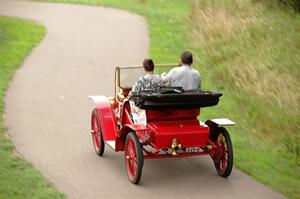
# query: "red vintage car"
{"type": "Point", "coordinates": [172, 129]}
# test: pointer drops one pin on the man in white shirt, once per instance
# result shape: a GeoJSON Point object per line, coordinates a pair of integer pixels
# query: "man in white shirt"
{"type": "Point", "coordinates": [184, 76]}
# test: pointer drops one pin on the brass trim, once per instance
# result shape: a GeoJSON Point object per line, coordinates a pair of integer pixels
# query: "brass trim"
{"type": "Point", "coordinates": [175, 146]}
{"type": "Point", "coordinates": [139, 66]}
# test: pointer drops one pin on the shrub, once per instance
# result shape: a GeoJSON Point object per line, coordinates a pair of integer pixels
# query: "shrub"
{"type": "Point", "coordinates": [293, 3]}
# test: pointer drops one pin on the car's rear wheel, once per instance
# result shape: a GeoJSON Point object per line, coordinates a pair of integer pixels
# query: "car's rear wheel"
{"type": "Point", "coordinates": [224, 159]}
{"type": "Point", "coordinates": [97, 133]}
{"type": "Point", "coordinates": [134, 159]}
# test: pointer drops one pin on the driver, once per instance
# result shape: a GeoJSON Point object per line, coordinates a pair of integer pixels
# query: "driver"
{"type": "Point", "coordinates": [149, 81]}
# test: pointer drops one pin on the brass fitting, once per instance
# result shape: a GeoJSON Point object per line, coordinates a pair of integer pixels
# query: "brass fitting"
{"type": "Point", "coordinates": [175, 146]}
{"type": "Point", "coordinates": [121, 95]}
{"type": "Point", "coordinates": [111, 100]}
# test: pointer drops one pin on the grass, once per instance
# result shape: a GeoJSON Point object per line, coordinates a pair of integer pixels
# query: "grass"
{"type": "Point", "coordinates": [250, 50]}
{"type": "Point", "coordinates": [18, 178]}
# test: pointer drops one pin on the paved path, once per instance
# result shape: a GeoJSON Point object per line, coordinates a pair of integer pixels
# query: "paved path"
{"type": "Point", "coordinates": [48, 111]}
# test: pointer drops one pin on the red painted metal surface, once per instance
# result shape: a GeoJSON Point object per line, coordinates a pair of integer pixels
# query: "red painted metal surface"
{"type": "Point", "coordinates": [124, 113]}
{"type": "Point", "coordinates": [169, 133]}
{"type": "Point", "coordinates": [139, 129]}
{"type": "Point", "coordinates": [189, 133]}
{"type": "Point", "coordinates": [162, 126]}
{"type": "Point", "coordinates": [107, 117]}
{"type": "Point", "coordinates": [171, 114]}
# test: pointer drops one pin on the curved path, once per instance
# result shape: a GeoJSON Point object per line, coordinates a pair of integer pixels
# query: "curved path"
{"type": "Point", "coordinates": [48, 112]}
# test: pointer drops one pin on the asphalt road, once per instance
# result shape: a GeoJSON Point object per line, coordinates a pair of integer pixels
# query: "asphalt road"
{"type": "Point", "coordinates": [48, 111]}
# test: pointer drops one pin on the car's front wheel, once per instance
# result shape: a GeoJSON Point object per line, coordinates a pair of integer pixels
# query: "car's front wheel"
{"type": "Point", "coordinates": [97, 133]}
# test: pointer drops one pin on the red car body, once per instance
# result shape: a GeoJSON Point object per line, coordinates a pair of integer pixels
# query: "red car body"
{"type": "Point", "coordinates": [169, 132]}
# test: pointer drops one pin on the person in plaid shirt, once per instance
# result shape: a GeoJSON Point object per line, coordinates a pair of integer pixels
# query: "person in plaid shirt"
{"type": "Point", "coordinates": [149, 81]}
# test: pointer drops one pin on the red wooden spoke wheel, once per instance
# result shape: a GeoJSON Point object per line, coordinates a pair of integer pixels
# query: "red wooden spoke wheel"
{"type": "Point", "coordinates": [97, 134]}
{"type": "Point", "coordinates": [224, 158]}
{"type": "Point", "coordinates": [134, 159]}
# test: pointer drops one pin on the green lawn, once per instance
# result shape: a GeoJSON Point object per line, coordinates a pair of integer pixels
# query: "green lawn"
{"type": "Point", "coordinates": [250, 50]}
{"type": "Point", "coordinates": [18, 178]}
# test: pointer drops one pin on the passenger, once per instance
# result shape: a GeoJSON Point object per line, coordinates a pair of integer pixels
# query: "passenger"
{"type": "Point", "coordinates": [149, 81]}
{"type": "Point", "coordinates": [184, 76]}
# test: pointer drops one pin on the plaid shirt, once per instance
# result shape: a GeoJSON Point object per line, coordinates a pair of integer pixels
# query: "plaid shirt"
{"type": "Point", "coordinates": [149, 81]}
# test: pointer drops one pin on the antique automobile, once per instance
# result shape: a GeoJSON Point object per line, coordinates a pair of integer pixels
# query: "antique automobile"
{"type": "Point", "coordinates": [172, 128]}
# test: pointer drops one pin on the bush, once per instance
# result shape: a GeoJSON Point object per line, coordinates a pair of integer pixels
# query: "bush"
{"type": "Point", "coordinates": [293, 3]}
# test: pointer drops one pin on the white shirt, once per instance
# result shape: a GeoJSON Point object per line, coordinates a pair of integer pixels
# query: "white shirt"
{"type": "Point", "coordinates": [184, 76]}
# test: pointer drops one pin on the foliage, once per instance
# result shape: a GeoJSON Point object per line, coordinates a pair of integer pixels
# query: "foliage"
{"type": "Point", "coordinates": [251, 51]}
{"type": "Point", "coordinates": [18, 179]}
{"type": "Point", "coordinates": [293, 3]}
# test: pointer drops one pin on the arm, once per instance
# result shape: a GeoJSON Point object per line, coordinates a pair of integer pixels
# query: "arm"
{"type": "Point", "coordinates": [135, 88]}
{"type": "Point", "coordinates": [198, 80]}
{"type": "Point", "coordinates": [168, 77]}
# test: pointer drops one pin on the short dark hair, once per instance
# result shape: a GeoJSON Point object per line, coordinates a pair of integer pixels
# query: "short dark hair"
{"type": "Point", "coordinates": [148, 65]}
{"type": "Point", "coordinates": [187, 57]}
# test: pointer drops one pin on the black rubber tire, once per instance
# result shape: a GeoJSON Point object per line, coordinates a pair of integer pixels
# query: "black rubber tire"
{"type": "Point", "coordinates": [227, 171]}
{"type": "Point", "coordinates": [99, 151]}
{"type": "Point", "coordinates": [139, 158]}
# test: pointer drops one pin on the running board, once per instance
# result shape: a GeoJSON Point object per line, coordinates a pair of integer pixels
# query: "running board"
{"type": "Point", "coordinates": [111, 144]}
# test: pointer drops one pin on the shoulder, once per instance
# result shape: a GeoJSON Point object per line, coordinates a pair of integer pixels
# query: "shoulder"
{"type": "Point", "coordinates": [156, 76]}
{"type": "Point", "coordinates": [195, 71]}
{"type": "Point", "coordinates": [175, 70]}
{"type": "Point", "coordinates": [140, 80]}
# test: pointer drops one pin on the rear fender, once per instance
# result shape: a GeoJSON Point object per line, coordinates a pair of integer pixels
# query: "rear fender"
{"type": "Point", "coordinates": [214, 124]}
{"type": "Point", "coordinates": [107, 117]}
{"type": "Point", "coordinates": [140, 130]}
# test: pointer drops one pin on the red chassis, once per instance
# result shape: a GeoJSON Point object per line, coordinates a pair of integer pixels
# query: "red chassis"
{"type": "Point", "coordinates": [170, 132]}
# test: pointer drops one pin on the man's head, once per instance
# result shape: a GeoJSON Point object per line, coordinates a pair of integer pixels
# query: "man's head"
{"type": "Point", "coordinates": [148, 65]}
{"type": "Point", "coordinates": [186, 58]}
